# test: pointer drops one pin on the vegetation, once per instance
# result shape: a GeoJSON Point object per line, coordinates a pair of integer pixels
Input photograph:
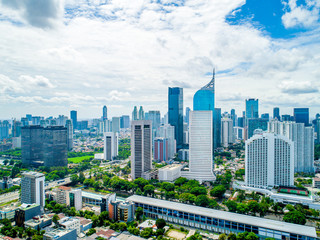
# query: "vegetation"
{"type": "Point", "coordinates": [124, 149]}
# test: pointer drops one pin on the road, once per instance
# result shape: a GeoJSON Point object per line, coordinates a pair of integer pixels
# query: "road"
{"type": "Point", "coordinates": [7, 197]}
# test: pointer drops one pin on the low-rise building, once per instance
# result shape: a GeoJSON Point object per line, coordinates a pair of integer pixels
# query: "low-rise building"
{"type": "Point", "coordinates": [38, 222]}
{"type": "Point", "coordinates": [70, 223]}
{"type": "Point", "coordinates": [170, 173]}
{"type": "Point", "coordinates": [121, 211]}
{"type": "Point", "coordinates": [62, 195]}
{"type": "Point", "coordinates": [6, 183]}
{"type": "Point", "coordinates": [96, 199]}
{"type": "Point", "coordinates": [61, 234]}
{"type": "Point", "coordinates": [316, 182]}
{"type": "Point", "coordinates": [75, 199]}
{"type": "Point", "coordinates": [26, 212]}
{"type": "Point", "coordinates": [151, 174]}
{"type": "Point", "coordinates": [85, 224]}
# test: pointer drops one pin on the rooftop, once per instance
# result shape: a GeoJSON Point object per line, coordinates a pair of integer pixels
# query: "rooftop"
{"type": "Point", "coordinates": [92, 195]}
{"type": "Point", "coordinates": [65, 188]}
{"type": "Point", "coordinates": [172, 166]}
{"type": "Point", "coordinates": [255, 221]}
{"type": "Point", "coordinates": [33, 174]}
{"type": "Point", "coordinates": [57, 233]}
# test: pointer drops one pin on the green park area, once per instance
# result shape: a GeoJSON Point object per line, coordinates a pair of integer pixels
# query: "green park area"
{"type": "Point", "coordinates": [79, 159]}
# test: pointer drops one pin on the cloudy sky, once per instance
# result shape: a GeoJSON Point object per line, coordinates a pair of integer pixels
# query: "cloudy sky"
{"type": "Point", "coordinates": [57, 55]}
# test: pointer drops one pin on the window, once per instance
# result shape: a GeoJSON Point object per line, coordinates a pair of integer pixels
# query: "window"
{"type": "Point", "coordinates": [203, 219]}
{"type": "Point", "coordinates": [186, 216]}
{"type": "Point", "coordinates": [255, 229]}
{"type": "Point", "coordinates": [169, 212]}
{"type": "Point", "coordinates": [228, 224]}
{"type": "Point", "coordinates": [191, 217]}
{"type": "Point", "coordinates": [221, 223]}
{"type": "Point", "coordinates": [234, 225]}
{"type": "Point", "coordinates": [248, 228]}
{"type": "Point", "coordinates": [214, 221]}
{"type": "Point", "coordinates": [197, 218]}
{"type": "Point", "coordinates": [241, 227]}
{"type": "Point", "coordinates": [209, 220]}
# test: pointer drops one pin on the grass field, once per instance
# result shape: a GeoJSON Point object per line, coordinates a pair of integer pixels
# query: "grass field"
{"type": "Point", "coordinates": [78, 159]}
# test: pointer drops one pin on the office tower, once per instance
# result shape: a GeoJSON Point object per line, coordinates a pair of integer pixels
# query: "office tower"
{"type": "Point", "coordinates": [16, 128]}
{"type": "Point", "coordinates": [240, 122]}
{"type": "Point", "coordinates": [24, 122]}
{"type": "Point", "coordinates": [203, 100]}
{"type": "Point", "coordinates": [135, 114]}
{"type": "Point", "coordinates": [175, 113]}
{"type": "Point", "coordinates": [110, 149]}
{"type": "Point", "coordinates": [104, 113]}
{"type": "Point", "coordinates": [286, 118]}
{"type": "Point", "coordinates": [160, 149]}
{"type": "Point", "coordinates": [301, 115]}
{"type": "Point", "coordinates": [70, 134]}
{"type": "Point", "coordinates": [115, 124]}
{"type": "Point", "coordinates": [303, 140]}
{"type": "Point", "coordinates": [238, 133]}
{"type": "Point", "coordinates": [121, 211]}
{"type": "Point", "coordinates": [233, 117]}
{"type": "Point", "coordinates": [146, 116]}
{"type": "Point", "coordinates": [82, 125]}
{"type": "Point", "coordinates": [44, 123]}
{"type": "Point", "coordinates": [265, 116]}
{"type": "Point", "coordinates": [29, 117]}
{"type": "Point", "coordinates": [227, 136]}
{"type": "Point", "coordinates": [187, 114]}
{"type": "Point", "coordinates": [269, 161]}
{"type": "Point", "coordinates": [256, 123]}
{"type": "Point", "coordinates": [200, 147]}
{"type": "Point", "coordinates": [276, 113]}
{"type": "Point", "coordinates": [318, 130]}
{"type": "Point", "coordinates": [73, 116]}
{"type": "Point", "coordinates": [36, 120]}
{"type": "Point", "coordinates": [32, 188]}
{"type": "Point", "coordinates": [167, 132]}
{"type": "Point", "coordinates": [217, 128]}
{"type": "Point", "coordinates": [252, 108]}
{"type": "Point", "coordinates": [75, 197]}
{"type": "Point", "coordinates": [55, 146]}
{"type": "Point", "coordinates": [4, 129]}
{"type": "Point", "coordinates": [141, 113]}
{"type": "Point", "coordinates": [32, 145]}
{"type": "Point", "coordinates": [53, 122]}
{"type": "Point", "coordinates": [125, 121]}
{"type": "Point", "coordinates": [61, 120]}
{"type": "Point", "coordinates": [154, 116]}
{"type": "Point", "coordinates": [185, 133]}
{"type": "Point", "coordinates": [141, 147]}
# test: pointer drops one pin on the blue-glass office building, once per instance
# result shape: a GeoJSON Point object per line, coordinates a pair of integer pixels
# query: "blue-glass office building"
{"type": "Point", "coordinates": [301, 115]}
{"type": "Point", "coordinates": [175, 113]}
{"type": "Point", "coordinates": [203, 100]}
{"type": "Point", "coordinates": [276, 113]}
{"type": "Point", "coordinates": [252, 108]}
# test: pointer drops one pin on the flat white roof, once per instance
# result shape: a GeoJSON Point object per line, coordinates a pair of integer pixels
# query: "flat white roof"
{"type": "Point", "coordinates": [229, 216]}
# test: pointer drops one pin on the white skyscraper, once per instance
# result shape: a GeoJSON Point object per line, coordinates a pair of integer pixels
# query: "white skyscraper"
{"type": "Point", "coordinates": [167, 131]}
{"type": "Point", "coordinates": [269, 161]}
{"type": "Point", "coordinates": [110, 145]}
{"type": "Point", "coordinates": [141, 147]}
{"type": "Point", "coordinates": [115, 124]}
{"type": "Point", "coordinates": [200, 146]}
{"type": "Point", "coordinates": [303, 139]}
{"type": "Point", "coordinates": [32, 188]}
{"type": "Point", "coordinates": [227, 135]}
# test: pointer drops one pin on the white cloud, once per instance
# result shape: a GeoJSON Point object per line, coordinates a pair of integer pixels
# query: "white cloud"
{"type": "Point", "coordinates": [37, 81]}
{"type": "Point", "coordinates": [294, 88]}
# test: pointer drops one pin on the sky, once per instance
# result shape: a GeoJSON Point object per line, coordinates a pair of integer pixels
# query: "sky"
{"type": "Point", "coordinates": [62, 55]}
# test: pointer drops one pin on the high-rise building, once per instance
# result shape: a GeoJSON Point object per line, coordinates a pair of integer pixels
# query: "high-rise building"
{"type": "Point", "coordinates": [187, 114]}
{"type": "Point", "coordinates": [276, 113]}
{"type": "Point", "coordinates": [252, 108]}
{"type": "Point", "coordinates": [141, 113]}
{"type": "Point", "coordinates": [160, 149]}
{"type": "Point", "coordinates": [167, 132]}
{"type": "Point", "coordinates": [154, 116]}
{"type": "Point", "coordinates": [135, 114]}
{"type": "Point", "coordinates": [265, 116]}
{"type": "Point", "coordinates": [227, 135]}
{"type": "Point", "coordinates": [233, 117]}
{"type": "Point", "coordinates": [217, 128]}
{"type": "Point", "coordinates": [16, 128]}
{"type": "Point", "coordinates": [269, 161]}
{"type": "Point", "coordinates": [256, 123]}
{"type": "Point", "coordinates": [240, 122]}
{"type": "Point", "coordinates": [125, 121]}
{"type": "Point", "coordinates": [286, 118]}
{"type": "Point", "coordinates": [141, 147]}
{"type": "Point", "coordinates": [200, 147]}
{"type": "Point", "coordinates": [301, 115]}
{"type": "Point", "coordinates": [55, 146]}
{"type": "Point", "coordinates": [104, 113]}
{"type": "Point", "coordinates": [110, 145]}
{"type": "Point", "coordinates": [116, 124]}
{"type": "Point", "coordinates": [4, 129]}
{"type": "Point", "coordinates": [203, 100]}
{"type": "Point", "coordinates": [32, 188]}
{"type": "Point", "coordinates": [73, 116]}
{"type": "Point", "coordinates": [303, 143]}
{"type": "Point", "coordinates": [29, 117]}
{"type": "Point", "coordinates": [318, 130]}
{"type": "Point", "coordinates": [75, 197]}
{"type": "Point", "coordinates": [175, 112]}
{"type": "Point", "coordinates": [24, 122]}
{"type": "Point", "coordinates": [32, 145]}
{"type": "Point", "coordinates": [70, 134]}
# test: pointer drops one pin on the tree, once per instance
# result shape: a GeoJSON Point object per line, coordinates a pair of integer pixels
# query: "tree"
{"type": "Point", "coordinates": [91, 231]}
{"type": "Point", "coordinates": [81, 177]}
{"type": "Point", "coordinates": [231, 205]}
{"type": "Point", "coordinates": [223, 236]}
{"type": "Point", "coordinates": [5, 162]}
{"type": "Point", "coordinates": [74, 179]}
{"type": "Point", "coordinates": [134, 231]}
{"type": "Point", "coordinates": [232, 236]}
{"type": "Point", "coordinates": [253, 207]}
{"type": "Point", "coordinates": [149, 189]}
{"type": "Point", "coordinates": [180, 181]}
{"type": "Point", "coordinates": [252, 236]}
{"type": "Point", "coordinates": [202, 200]}
{"type": "Point", "coordinates": [167, 186]}
{"type": "Point", "coordinates": [139, 213]}
{"type": "Point", "coordinates": [295, 217]}
{"type": "Point", "coordinates": [55, 219]}
{"type": "Point", "coordinates": [146, 233]}
{"type": "Point", "coordinates": [199, 191]}
{"type": "Point", "coordinates": [161, 223]}
{"type": "Point", "coordinates": [140, 182]}
{"type": "Point", "coordinates": [139, 192]}
{"type": "Point", "coordinates": [122, 226]}
{"type": "Point", "coordinates": [218, 191]}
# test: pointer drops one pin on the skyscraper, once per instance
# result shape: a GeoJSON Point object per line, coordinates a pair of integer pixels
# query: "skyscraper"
{"type": "Point", "coordinates": [73, 116]}
{"type": "Point", "coordinates": [32, 188]}
{"type": "Point", "coordinates": [70, 134]}
{"type": "Point", "coordinates": [16, 128]}
{"type": "Point", "coordinates": [187, 114]}
{"type": "Point", "coordinates": [125, 121]}
{"type": "Point", "coordinates": [200, 147]}
{"type": "Point", "coordinates": [160, 152]}
{"type": "Point", "coordinates": [233, 117]}
{"type": "Point", "coordinates": [269, 161]}
{"type": "Point", "coordinates": [217, 128]}
{"type": "Point", "coordinates": [318, 130]}
{"type": "Point", "coordinates": [115, 124]}
{"type": "Point", "coordinates": [227, 136]}
{"type": "Point", "coordinates": [4, 129]}
{"type": "Point", "coordinates": [32, 145]}
{"type": "Point", "coordinates": [265, 116]}
{"type": "Point", "coordinates": [256, 123]}
{"type": "Point", "coordinates": [104, 113]}
{"type": "Point", "coordinates": [203, 100]}
{"type": "Point", "coordinates": [252, 108]}
{"type": "Point", "coordinates": [166, 131]}
{"type": "Point", "coordinates": [141, 113]}
{"type": "Point", "coordinates": [301, 115]}
{"type": "Point", "coordinates": [55, 146]}
{"type": "Point", "coordinates": [154, 116]}
{"type": "Point", "coordinates": [135, 114]}
{"type": "Point", "coordinates": [110, 149]}
{"type": "Point", "coordinates": [175, 112]}
{"type": "Point", "coordinates": [141, 147]}
{"type": "Point", "coordinates": [276, 113]}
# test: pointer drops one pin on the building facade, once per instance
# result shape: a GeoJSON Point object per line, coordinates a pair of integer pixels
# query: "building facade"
{"type": "Point", "coordinates": [32, 188]}
{"type": "Point", "coordinates": [301, 115]}
{"type": "Point", "coordinates": [111, 145]}
{"type": "Point", "coordinates": [227, 135]}
{"type": "Point", "coordinates": [252, 108]}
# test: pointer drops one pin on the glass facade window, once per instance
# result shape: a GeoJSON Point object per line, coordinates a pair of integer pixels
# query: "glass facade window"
{"type": "Point", "coordinates": [255, 229]}
{"type": "Point", "coordinates": [241, 227]}
{"type": "Point", "coordinates": [228, 224]}
{"type": "Point", "coordinates": [209, 220]}
{"type": "Point", "coordinates": [186, 216]}
{"type": "Point", "coordinates": [248, 228]}
{"type": "Point", "coordinates": [197, 218]}
{"type": "Point", "coordinates": [221, 223]}
{"type": "Point", "coordinates": [169, 212]}
{"type": "Point", "coordinates": [191, 217]}
{"type": "Point", "coordinates": [214, 221]}
{"type": "Point", "coordinates": [203, 219]}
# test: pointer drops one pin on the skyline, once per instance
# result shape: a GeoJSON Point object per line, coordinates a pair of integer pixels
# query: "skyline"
{"type": "Point", "coordinates": [82, 55]}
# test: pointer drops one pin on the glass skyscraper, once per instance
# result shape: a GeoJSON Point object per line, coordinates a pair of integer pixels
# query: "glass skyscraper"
{"type": "Point", "coordinates": [276, 113]}
{"type": "Point", "coordinates": [252, 108]}
{"type": "Point", "coordinates": [203, 100]}
{"type": "Point", "coordinates": [301, 115]}
{"type": "Point", "coordinates": [73, 116]}
{"type": "Point", "coordinates": [175, 112]}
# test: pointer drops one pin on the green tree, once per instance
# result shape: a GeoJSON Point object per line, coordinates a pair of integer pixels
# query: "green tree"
{"type": "Point", "coordinates": [199, 191]}
{"type": "Point", "coordinates": [55, 218]}
{"type": "Point", "coordinates": [81, 177]}
{"type": "Point", "coordinates": [146, 233]}
{"type": "Point", "coordinates": [161, 223]}
{"type": "Point", "coordinates": [253, 207]}
{"type": "Point", "coordinates": [295, 217]}
{"type": "Point", "coordinates": [74, 179]}
{"type": "Point", "coordinates": [231, 205]}
{"type": "Point", "coordinates": [91, 231]}
{"type": "Point", "coordinates": [252, 236]}
{"type": "Point", "coordinates": [149, 189]}
{"type": "Point", "coordinates": [232, 236]}
{"type": "Point", "coordinates": [180, 181]}
{"type": "Point", "coordinates": [139, 213]}
{"type": "Point", "coordinates": [218, 191]}
{"type": "Point", "coordinates": [202, 200]}
{"type": "Point", "coordinates": [223, 236]}
{"type": "Point", "coordinates": [167, 186]}
{"type": "Point", "coordinates": [140, 182]}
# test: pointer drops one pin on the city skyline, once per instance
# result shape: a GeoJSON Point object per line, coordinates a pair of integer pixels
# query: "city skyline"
{"type": "Point", "coordinates": [63, 67]}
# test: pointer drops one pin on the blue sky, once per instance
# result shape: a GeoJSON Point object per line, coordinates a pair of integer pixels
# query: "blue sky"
{"type": "Point", "coordinates": [83, 54]}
